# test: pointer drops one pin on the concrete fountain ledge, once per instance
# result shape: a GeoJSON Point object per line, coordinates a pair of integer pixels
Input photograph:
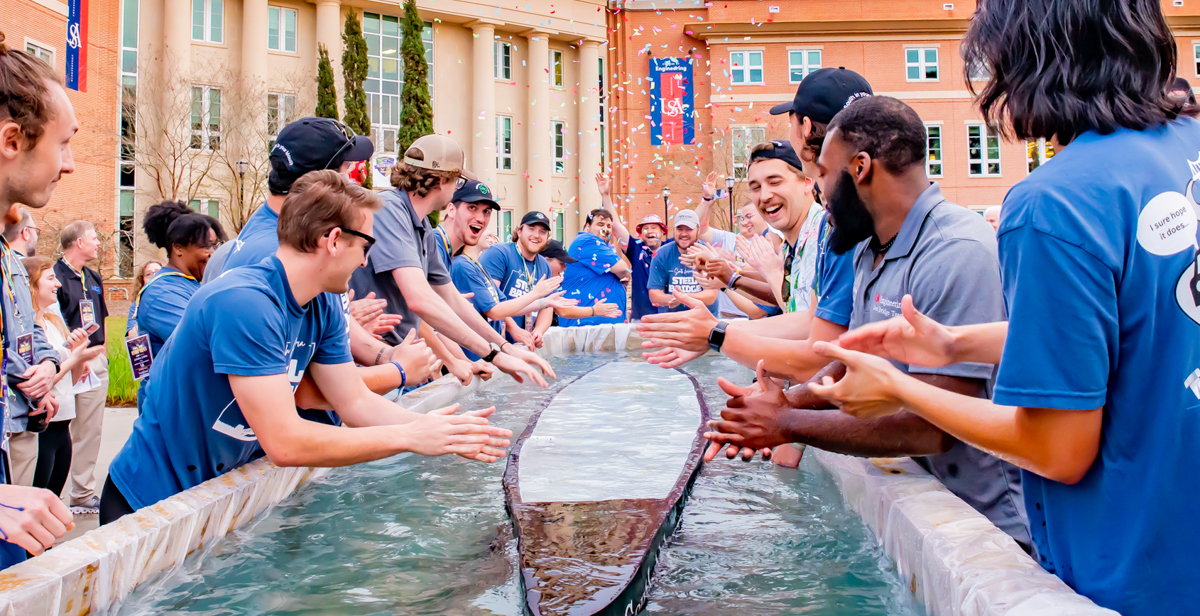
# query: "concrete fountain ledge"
{"type": "Point", "coordinates": [953, 559]}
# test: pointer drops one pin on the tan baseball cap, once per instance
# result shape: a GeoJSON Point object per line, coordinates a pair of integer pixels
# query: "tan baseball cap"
{"type": "Point", "coordinates": [437, 152]}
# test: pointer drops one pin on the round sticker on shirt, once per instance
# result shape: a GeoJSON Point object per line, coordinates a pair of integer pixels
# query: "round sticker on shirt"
{"type": "Point", "coordinates": [1167, 225]}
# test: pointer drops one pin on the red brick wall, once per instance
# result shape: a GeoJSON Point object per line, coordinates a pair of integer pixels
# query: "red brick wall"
{"type": "Point", "coordinates": [91, 192]}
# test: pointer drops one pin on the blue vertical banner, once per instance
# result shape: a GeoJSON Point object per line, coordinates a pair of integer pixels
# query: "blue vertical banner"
{"type": "Point", "coordinates": [77, 38]}
{"type": "Point", "coordinates": [671, 120]}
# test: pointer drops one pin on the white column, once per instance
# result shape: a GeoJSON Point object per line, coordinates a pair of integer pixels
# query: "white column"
{"type": "Point", "coordinates": [329, 34]}
{"type": "Point", "coordinates": [539, 137]}
{"type": "Point", "coordinates": [177, 41]}
{"type": "Point", "coordinates": [254, 43]}
{"type": "Point", "coordinates": [483, 90]}
{"type": "Point", "coordinates": [589, 129]}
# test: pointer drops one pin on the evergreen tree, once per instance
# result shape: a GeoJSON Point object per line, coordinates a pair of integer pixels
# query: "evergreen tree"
{"type": "Point", "coordinates": [416, 113]}
{"type": "Point", "coordinates": [326, 91]}
{"type": "Point", "coordinates": [354, 72]}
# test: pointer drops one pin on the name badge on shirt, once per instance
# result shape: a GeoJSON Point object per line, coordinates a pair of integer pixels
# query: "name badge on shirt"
{"type": "Point", "coordinates": [87, 314]}
{"type": "Point", "coordinates": [25, 348]}
{"type": "Point", "coordinates": [139, 356]}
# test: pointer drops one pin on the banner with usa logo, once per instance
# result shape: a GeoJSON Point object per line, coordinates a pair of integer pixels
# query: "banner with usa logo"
{"type": "Point", "coordinates": [671, 120]}
{"type": "Point", "coordinates": [77, 35]}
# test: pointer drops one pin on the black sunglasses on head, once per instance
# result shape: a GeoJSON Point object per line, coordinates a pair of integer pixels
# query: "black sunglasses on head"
{"type": "Point", "coordinates": [350, 135]}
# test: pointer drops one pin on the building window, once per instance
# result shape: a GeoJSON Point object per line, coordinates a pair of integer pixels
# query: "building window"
{"type": "Point", "coordinates": [281, 109]}
{"type": "Point", "coordinates": [206, 118]}
{"type": "Point", "coordinates": [933, 150]}
{"type": "Point", "coordinates": [385, 75]}
{"type": "Point", "coordinates": [801, 62]}
{"type": "Point", "coordinates": [745, 67]}
{"type": "Point", "coordinates": [127, 150]}
{"type": "Point", "coordinates": [504, 143]}
{"type": "Point", "coordinates": [43, 53]}
{"type": "Point", "coordinates": [559, 222]}
{"type": "Point", "coordinates": [208, 20]}
{"type": "Point", "coordinates": [504, 225]}
{"type": "Point", "coordinates": [125, 233]}
{"type": "Point", "coordinates": [980, 71]}
{"type": "Point", "coordinates": [743, 138]}
{"type": "Point", "coordinates": [921, 63]}
{"type": "Point", "coordinates": [204, 205]}
{"type": "Point", "coordinates": [1037, 153]}
{"type": "Point", "coordinates": [559, 130]}
{"type": "Point", "coordinates": [503, 61]}
{"type": "Point", "coordinates": [1196, 54]}
{"type": "Point", "coordinates": [281, 29]}
{"type": "Point", "coordinates": [983, 151]}
{"type": "Point", "coordinates": [556, 68]}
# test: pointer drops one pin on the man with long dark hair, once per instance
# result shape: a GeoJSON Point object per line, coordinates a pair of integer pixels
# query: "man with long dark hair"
{"type": "Point", "coordinates": [1097, 393]}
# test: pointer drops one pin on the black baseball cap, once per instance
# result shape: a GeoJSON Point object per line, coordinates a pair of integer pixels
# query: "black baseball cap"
{"type": "Point", "coordinates": [825, 92]}
{"type": "Point", "coordinates": [536, 218]}
{"type": "Point", "coordinates": [473, 191]}
{"type": "Point", "coordinates": [554, 250]}
{"type": "Point", "coordinates": [781, 150]}
{"type": "Point", "coordinates": [311, 144]}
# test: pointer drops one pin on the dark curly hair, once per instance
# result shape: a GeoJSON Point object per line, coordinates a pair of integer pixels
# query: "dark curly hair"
{"type": "Point", "coordinates": [171, 223]}
{"type": "Point", "coordinates": [884, 127]}
{"type": "Point", "coordinates": [1064, 67]}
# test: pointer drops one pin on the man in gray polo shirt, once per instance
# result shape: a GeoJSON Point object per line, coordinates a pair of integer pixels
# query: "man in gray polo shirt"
{"type": "Point", "coordinates": [405, 269]}
{"type": "Point", "coordinates": [872, 173]}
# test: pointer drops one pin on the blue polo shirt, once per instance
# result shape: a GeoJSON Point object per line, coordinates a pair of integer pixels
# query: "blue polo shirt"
{"type": "Point", "coordinates": [1101, 277]}
{"type": "Point", "coordinates": [640, 258]}
{"type": "Point", "coordinates": [470, 277]}
{"type": "Point", "coordinates": [667, 274]}
{"type": "Point", "coordinates": [588, 279]}
{"type": "Point", "coordinates": [245, 323]}
{"type": "Point", "coordinates": [517, 276]}
{"type": "Point", "coordinates": [834, 283]}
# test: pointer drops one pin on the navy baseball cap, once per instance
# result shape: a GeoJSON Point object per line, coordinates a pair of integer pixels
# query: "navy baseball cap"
{"type": "Point", "coordinates": [554, 250]}
{"type": "Point", "coordinates": [473, 191]}
{"type": "Point", "coordinates": [825, 92]}
{"type": "Point", "coordinates": [780, 150]}
{"type": "Point", "coordinates": [536, 218]}
{"type": "Point", "coordinates": [311, 144]}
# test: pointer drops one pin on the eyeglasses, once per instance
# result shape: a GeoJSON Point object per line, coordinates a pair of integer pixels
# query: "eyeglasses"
{"type": "Point", "coordinates": [349, 134]}
{"type": "Point", "coordinates": [368, 239]}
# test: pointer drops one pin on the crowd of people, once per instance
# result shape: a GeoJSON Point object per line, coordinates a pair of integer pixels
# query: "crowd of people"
{"type": "Point", "coordinates": [874, 311]}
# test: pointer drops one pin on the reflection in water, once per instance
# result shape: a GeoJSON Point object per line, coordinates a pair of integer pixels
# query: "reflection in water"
{"type": "Point", "coordinates": [420, 536]}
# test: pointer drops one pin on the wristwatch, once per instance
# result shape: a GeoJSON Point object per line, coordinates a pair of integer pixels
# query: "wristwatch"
{"type": "Point", "coordinates": [716, 337]}
{"type": "Point", "coordinates": [490, 356]}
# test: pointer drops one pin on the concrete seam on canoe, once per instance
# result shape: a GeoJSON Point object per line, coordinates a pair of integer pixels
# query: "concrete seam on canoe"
{"type": "Point", "coordinates": [953, 559]}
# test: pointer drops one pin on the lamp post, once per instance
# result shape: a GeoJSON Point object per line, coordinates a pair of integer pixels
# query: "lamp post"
{"type": "Point", "coordinates": [241, 165]}
{"type": "Point", "coordinates": [667, 204]}
{"type": "Point", "coordinates": [729, 190]}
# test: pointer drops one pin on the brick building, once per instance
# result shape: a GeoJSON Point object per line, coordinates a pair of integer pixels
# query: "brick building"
{"type": "Point", "coordinates": [748, 55]}
{"type": "Point", "coordinates": [40, 27]}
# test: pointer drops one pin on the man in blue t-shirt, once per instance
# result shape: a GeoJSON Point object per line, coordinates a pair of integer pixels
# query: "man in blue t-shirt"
{"type": "Point", "coordinates": [652, 234]}
{"type": "Point", "coordinates": [668, 275]}
{"type": "Point", "coordinates": [222, 386]}
{"type": "Point", "coordinates": [597, 273]}
{"type": "Point", "coordinates": [517, 266]}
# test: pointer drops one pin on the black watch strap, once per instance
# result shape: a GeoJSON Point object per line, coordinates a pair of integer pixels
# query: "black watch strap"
{"type": "Point", "coordinates": [491, 355]}
{"type": "Point", "coordinates": [716, 337]}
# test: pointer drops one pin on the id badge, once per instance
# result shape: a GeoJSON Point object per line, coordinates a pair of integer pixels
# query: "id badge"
{"type": "Point", "coordinates": [87, 315]}
{"type": "Point", "coordinates": [139, 356]}
{"type": "Point", "coordinates": [25, 348]}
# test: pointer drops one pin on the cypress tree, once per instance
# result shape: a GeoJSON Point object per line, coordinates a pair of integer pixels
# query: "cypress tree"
{"type": "Point", "coordinates": [354, 72]}
{"type": "Point", "coordinates": [416, 113]}
{"type": "Point", "coordinates": [326, 91]}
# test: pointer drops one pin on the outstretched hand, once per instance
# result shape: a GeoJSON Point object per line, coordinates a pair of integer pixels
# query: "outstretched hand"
{"type": "Point", "coordinates": [604, 184]}
{"type": "Point", "coordinates": [752, 421]}
{"type": "Point", "coordinates": [686, 330]}
{"type": "Point", "coordinates": [869, 389]}
{"type": "Point", "coordinates": [912, 338]}
{"type": "Point", "coordinates": [469, 435]}
{"type": "Point", "coordinates": [709, 187]}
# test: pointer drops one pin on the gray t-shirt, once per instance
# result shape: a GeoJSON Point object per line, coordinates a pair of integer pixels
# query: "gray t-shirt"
{"type": "Point", "coordinates": [945, 257]}
{"type": "Point", "coordinates": [403, 239]}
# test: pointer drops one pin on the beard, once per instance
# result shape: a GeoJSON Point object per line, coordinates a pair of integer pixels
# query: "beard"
{"type": "Point", "coordinates": [852, 221]}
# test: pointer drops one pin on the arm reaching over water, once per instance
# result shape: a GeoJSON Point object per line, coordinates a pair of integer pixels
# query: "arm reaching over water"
{"type": "Point", "coordinates": [916, 339]}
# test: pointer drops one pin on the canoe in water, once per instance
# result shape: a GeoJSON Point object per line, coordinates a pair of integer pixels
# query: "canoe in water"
{"type": "Point", "coordinates": [597, 482]}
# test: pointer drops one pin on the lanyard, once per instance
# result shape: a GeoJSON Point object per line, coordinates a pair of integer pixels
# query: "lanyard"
{"type": "Point", "coordinates": [525, 266]}
{"type": "Point", "coordinates": [9, 270]}
{"type": "Point", "coordinates": [491, 285]}
{"type": "Point", "coordinates": [441, 233]}
{"type": "Point", "coordinates": [137, 301]}
{"type": "Point", "coordinates": [82, 278]}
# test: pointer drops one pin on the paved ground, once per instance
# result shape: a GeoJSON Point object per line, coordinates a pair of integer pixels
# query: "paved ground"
{"type": "Point", "coordinates": [118, 423]}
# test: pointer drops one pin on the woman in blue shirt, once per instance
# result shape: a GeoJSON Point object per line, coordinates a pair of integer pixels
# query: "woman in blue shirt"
{"type": "Point", "coordinates": [189, 239]}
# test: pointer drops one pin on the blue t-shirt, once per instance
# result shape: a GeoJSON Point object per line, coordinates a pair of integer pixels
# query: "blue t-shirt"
{"type": "Point", "coordinates": [161, 305]}
{"type": "Point", "coordinates": [470, 277]}
{"type": "Point", "coordinates": [588, 279]}
{"type": "Point", "coordinates": [639, 261]}
{"type": "Point", "coordinates": [1100, 275]}
{"type": "Point", "coordinates": [257, 240]}
{"type": "Point", "coordinates": [443, 246]}
{"type": "Point", "coordinates": [834, 285]}
{"type": "Point", "coordinates": [517, 276]}
{"type": "Point", "coordinates": [191, 429]}
{"type": "Point", "coordinates": [667, 274]}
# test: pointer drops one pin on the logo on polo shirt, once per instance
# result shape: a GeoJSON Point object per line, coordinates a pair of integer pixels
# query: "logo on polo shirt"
{"type": "Point", "coordinates": [886, 307]}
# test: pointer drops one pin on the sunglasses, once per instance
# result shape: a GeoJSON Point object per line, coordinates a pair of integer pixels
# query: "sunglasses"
{"type": "Point", "coordinates": [366, 238]}
{"type": "Point", "coordinates": [349, 134]}
{"type": "Point", "coordinates": [787, 275]}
